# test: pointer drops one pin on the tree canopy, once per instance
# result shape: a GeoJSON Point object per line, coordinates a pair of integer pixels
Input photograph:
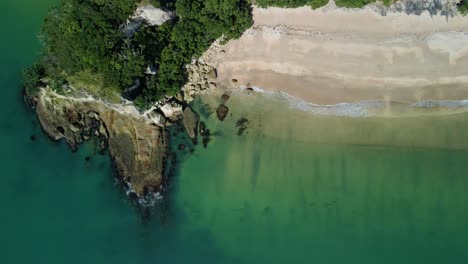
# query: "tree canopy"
{"type": "Point", "coordinates": [292, 3]}
{"type": "Point", "coordinates": [463, 7]}
{"type": "Point", "coordinates": [87, 36]}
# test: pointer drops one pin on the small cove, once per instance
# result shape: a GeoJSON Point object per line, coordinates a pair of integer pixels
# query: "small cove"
{"type": "Point", "coordinates": [292, 188]}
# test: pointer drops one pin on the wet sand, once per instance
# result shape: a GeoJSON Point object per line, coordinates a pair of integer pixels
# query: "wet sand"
{"type": "Point", "coordinates": [329, 56]}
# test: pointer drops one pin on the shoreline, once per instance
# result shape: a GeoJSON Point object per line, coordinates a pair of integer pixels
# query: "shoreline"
{"type": "Point", "coordinates": [362, 109]}
{"type": "Point", "coordinates": [333, 70]}
{"type": "Point", "coordinates": [334, 55]}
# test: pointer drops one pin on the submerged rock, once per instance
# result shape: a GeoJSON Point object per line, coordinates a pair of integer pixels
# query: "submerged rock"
{"type": "Point", "coordinates": [203, 130]}
{"type": "Point", "coordinates": [222, 111]}
{"type": "Point", "coordinates": [181, 146]}
{"type": "Point", "coordinates": [205, 141]}
{"type": "Point", "coordinates": [205, 133]}
{"type": "Point", "coordinates": [190, 120]}
{"type": "Point", "coordinates": [241, 124]}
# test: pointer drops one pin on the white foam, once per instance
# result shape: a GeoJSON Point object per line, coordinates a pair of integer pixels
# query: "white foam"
{"type": "Point", "coordinates": [442, 104]}
{"type": "Point", "coordinates": [362, 109]}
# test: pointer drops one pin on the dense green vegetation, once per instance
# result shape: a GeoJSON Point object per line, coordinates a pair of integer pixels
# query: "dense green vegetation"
{"type": "Point", "coordinates": [292, 3]}
{"type": "Point", "coordinates": [32, 78]}
{"type": "Point", "coordinates": [86, 38]}
{"type": "Point", "coordinates": [353, 3]}
{"type": "Point", "coordinates": [463, 7]}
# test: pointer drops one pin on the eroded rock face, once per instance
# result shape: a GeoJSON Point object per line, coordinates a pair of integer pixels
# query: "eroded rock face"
{"type": "Point", "coordinates": [137, 147]}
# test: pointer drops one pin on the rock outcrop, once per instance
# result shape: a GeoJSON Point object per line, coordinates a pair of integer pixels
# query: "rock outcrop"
{"type": "Point", "coordinates": [152, 15]}
{"type": "Point", "coordinates": [138, 143]}
{"type": "Point", "coordinates": [221, 112]}
{"type": "Point", "coordinates": [202, 75]}
{"type": "Point", "coordinates": [190, 120]}
{"type": "Point", "coordinates": [137, 146]}
{"type": "Point", "coordinates": [202, 80]}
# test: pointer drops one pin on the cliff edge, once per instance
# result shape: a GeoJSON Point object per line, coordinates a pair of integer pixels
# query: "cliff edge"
{"type": "Point", "coordinates": [137, 146]}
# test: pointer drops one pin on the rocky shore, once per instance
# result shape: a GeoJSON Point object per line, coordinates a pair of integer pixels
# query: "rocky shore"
{"type": "Point", "coordinates": [138, 143]}
{"type": "Point", "coordinates": [202, 74]}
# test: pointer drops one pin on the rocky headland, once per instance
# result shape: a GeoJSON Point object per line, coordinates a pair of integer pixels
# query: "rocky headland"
{"type": "Point", "coordinates": [328, 56]}
{"type": "Point", "coordinates": [138, 142]}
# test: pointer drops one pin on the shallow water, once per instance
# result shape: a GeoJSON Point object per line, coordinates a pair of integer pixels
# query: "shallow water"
{"type": "Point", "coordinates": [293, 188]}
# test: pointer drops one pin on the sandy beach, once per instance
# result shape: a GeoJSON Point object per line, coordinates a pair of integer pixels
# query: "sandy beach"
{"type": "Point", "coordinates": [333, 55]}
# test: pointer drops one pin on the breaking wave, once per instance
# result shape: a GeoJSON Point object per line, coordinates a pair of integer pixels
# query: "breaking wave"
{"type": "Point", "coordinates": [370, 108]}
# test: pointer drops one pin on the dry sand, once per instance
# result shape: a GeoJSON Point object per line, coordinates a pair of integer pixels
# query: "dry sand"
{"type": "Point", "coordinates": [329, 56]}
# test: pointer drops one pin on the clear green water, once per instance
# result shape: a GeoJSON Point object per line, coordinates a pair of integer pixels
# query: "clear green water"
{"type": "Point", "coordinates": [294, 189]}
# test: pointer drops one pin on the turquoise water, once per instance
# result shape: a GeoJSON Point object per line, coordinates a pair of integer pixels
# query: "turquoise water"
{"type": "Point", "coordinates": [294, 188]}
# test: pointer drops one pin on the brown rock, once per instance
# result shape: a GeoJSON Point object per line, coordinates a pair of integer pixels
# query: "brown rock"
{"type": "Point", "coordinates": [190, 120]}
{"type": "Point", "coordinates": [225, 97]}
{"type": "Point", "coordinates": [137, 148]}
{"type": "Point", "coordinates": [249, 91]}
{"type": "Point", "coordinates": [222, 111]}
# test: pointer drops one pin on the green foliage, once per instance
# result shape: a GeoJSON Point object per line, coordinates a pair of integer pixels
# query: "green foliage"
{"type": "Point", "coordinates": [155, 3]}
{"type": "Point", "coordinates": [283, 3]}
{"type": "Point", "coordinates": [389, 2]}
{"type": "Point", "coordinates": [353, 3]}
{"type": "Point", "coordinates": [94, 84]}
{"type": "Point", "coordinates": [85, 38]}
{"type": "Point", "coordinates": [200, 23]}
{"type": "Point", "coordinates": [32, 78]}
{"type": "Point", "coordinates": [84, 35]}
{"type": "Point", "coordinates": [292, 3]}
{"type": "Point", "coordinates": [463, 7]}
{"type": "Point", "coordinates": [168, 4]}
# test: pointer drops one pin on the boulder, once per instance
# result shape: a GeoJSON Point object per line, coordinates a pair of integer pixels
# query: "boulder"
{"type": "Point", "coordinates": [171, 111]}
{"type": "Point", "coordinates": [249, 91]}
{"type": "Point", "coordinates": [225, 97]}
{"type": "Point", "coordinates": [157, 118]}
{"type": "Point", "coordinates": [222, 111]}
{"type": "Point", "coordinates": [74, 129]}
{"type": "Point", "coordinates": [103, 131]}
{"type": "Point", "coordinates": [152, 15]}
{"type": "Point", "coordinates": [190, 120]}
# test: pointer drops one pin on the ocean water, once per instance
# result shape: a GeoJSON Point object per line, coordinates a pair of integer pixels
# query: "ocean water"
{"type": "Point", "coordinates": [293, 188]}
